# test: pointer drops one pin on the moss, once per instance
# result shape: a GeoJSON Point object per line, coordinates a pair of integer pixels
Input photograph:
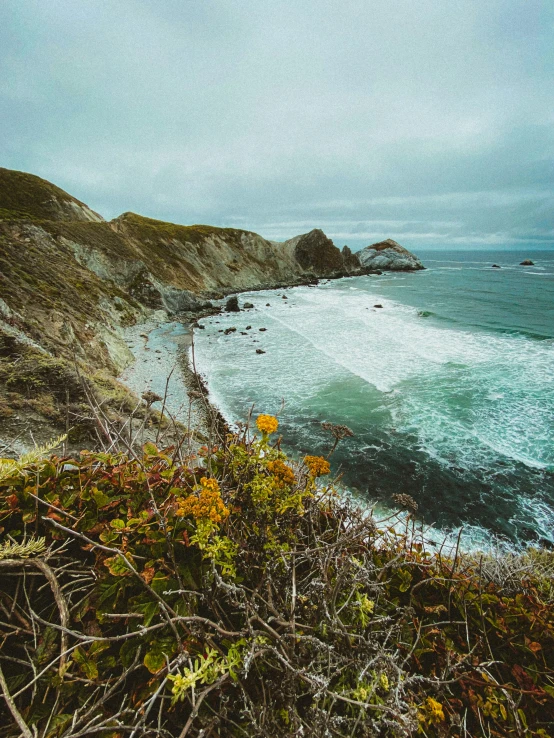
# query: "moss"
{"type": "Point", "coordinates": [115, 395]}
{"type": "Point", "coordinates": [6, 411]}
{"type": "Point", "coordinates": [45, 404]}
{"type": "Point", "coordinates": [34, 373]}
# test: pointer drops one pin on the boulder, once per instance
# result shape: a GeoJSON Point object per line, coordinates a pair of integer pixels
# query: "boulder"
{"type": "Point", "coordinates": [527, 263]}
{"type": "Point", "coordinates": [232, 305]}
{"type": "Point", "coordinates": [389, 256]}
{"type": "Point", "coordinates": [248, 305]}
{"type": "Point", "coordinates": [496, 266]}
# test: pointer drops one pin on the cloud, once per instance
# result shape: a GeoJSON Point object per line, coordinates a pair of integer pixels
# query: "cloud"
{"type": "Point", "coordinates": [285, 112]}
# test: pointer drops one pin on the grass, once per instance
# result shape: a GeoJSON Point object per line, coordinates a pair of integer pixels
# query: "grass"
{"type": "Point", "coordinates": [25, 196]}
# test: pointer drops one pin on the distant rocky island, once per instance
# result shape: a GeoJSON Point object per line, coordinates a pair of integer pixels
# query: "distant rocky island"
{"type": "Point", "coordinates": [72, 282]}
{"type": "Point", "coordinates": [389, 256]}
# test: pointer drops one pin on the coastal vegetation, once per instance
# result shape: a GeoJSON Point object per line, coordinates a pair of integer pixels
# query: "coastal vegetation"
{"type": "Point", "coordinates": [234, 592]}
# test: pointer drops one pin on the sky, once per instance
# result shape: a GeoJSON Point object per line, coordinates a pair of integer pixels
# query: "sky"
{"type": "Point", "coordinates": [427, 121]}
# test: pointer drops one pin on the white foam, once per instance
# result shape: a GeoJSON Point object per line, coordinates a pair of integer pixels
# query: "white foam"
{"type": "Point", "coordinates": [325, 335]}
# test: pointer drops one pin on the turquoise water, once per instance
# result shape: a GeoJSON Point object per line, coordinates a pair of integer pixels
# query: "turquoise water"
{"type": "Point", "coordinates": [448, 388]}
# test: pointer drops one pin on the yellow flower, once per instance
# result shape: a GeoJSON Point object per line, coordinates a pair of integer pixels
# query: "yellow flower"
{"type": "Point", "coordinates": [267, 424]}
{"type": "Point", "coordinates": [205, 505]}
{"type": "Point", "coordinates": [317, 465]}
{"type": "Point", "coordinates": [283, 474]}
{"type": "Point", "coordinates": [434, 710]}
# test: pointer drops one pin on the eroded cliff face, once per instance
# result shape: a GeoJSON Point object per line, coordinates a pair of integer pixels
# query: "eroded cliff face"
{"type": "Point", "coordinates": [71, 282]}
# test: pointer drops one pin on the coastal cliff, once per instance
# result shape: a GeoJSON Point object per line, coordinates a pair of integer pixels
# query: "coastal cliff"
{"type": "Point", "coordinates": [72, 282]}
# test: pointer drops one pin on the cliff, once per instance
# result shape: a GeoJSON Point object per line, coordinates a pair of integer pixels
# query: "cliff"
{"type": "Point", "coordinates": [390, 256]}
{"type": "Point", "coordinates": [71, 282]}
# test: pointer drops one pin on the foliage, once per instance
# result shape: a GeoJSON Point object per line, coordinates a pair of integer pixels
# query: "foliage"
{"type": "Point", "coordinates": [229, 594]}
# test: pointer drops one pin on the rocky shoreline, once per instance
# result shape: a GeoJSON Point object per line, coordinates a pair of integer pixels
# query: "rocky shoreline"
{"type": "Point", "coordinates": [163, 346]}
{"type": "Point", "coordinates": [86, 281]}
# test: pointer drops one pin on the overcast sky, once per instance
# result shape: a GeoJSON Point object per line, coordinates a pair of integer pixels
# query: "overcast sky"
{"type": "Point", "coordinates": [428, 121]}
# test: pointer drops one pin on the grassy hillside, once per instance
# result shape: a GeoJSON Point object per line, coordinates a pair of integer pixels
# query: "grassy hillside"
{"type": "Point", "coordinates": [25, 196]}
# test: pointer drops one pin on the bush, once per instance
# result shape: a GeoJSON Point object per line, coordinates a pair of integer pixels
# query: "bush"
{"type": "Point", "coordinates": [232, 594]}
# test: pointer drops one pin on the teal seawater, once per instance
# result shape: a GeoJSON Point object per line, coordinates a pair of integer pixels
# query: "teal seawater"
{"type": "Point", "coordinates": [448, 387]}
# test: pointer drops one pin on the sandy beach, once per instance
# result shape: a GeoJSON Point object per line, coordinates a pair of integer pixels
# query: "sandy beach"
{"type": "Point", "coordinates": [163, 352]}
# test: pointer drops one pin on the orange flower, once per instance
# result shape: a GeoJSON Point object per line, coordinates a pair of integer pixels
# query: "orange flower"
{"type": "Point", "coordinates": [207, 504]}
{"type": "Point", "coordinates": [267, 424]}
{"type": "Point", "coordinates": [283, 474]}
{"type": "Point", "coordinates": [317, 465]}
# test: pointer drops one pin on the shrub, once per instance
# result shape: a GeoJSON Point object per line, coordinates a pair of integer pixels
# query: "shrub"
{"type": "Point", "coordinates": [231, 595]}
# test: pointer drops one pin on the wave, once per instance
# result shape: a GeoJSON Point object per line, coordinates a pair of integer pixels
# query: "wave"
{"type": "Point", "coordinates": [470, 407]}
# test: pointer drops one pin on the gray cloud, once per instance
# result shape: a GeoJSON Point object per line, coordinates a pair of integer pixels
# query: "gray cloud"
{"type": "Point", "coordinates": [429, 122]}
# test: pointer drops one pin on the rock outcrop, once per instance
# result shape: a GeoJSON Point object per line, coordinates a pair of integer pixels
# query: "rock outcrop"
{"type": "Point", "coordinates": [389, 255]}
{"type": "Point", "coordinates": [316, 253]}
{"type": "Point", "coordinates": [527, 263]}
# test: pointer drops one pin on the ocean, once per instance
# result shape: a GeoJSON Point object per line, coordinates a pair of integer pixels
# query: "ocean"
{"type": "Point", "coordinates": [448, 387]}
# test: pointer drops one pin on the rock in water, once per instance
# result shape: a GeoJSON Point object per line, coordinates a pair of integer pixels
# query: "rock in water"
{"type": "Point", "coordinates": [389, 255]}
{"type": "Point", "coordinates": [496, 266]}
{"type": "Point", "coordinates": [232, 305]}
{"type": "Point", "coordinates": [527, 263]}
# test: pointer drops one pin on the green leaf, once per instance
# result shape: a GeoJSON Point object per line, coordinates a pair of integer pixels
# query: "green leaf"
{"type": "Point", "coordinates": [100, 497]}
{"type": "Point", "coordinates": [118, 524]}
{"type": "Point", "coordinates": [58, 721]}
{"type": "Point", "coordinates": [154, 661]}
{"type": "Point", "coordinates": [108, 536]}
{"type": "Point", "coordinates": [149, 609]}
{"type": "Point", "coordinates": [405, 580]}
{"type": "Point", "coordinates": [150, 449]}
{"type": "Point", "coordinates": [97, 647]}
{"type": "Point", "coordinates": [160, 582]}
{"type": "Point", "coordinates": [108, 592]}
{"type": "Point", "coordinates": [117, 566]}
{"type": "Point", "coordinates": [87, 665]}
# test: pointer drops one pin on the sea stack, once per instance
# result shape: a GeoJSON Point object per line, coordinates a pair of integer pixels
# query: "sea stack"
{"type": "Point", "coordinates": [389, 255]}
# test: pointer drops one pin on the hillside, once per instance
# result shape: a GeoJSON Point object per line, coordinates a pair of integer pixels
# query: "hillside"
{"type": "Point", "coordinates": [28, 197]}
{"type": "Point", "coordinates": [71, 282]}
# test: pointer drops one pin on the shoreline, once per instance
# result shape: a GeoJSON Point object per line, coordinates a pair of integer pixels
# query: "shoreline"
{"type": "Point", "coordinates": [163, 364]}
